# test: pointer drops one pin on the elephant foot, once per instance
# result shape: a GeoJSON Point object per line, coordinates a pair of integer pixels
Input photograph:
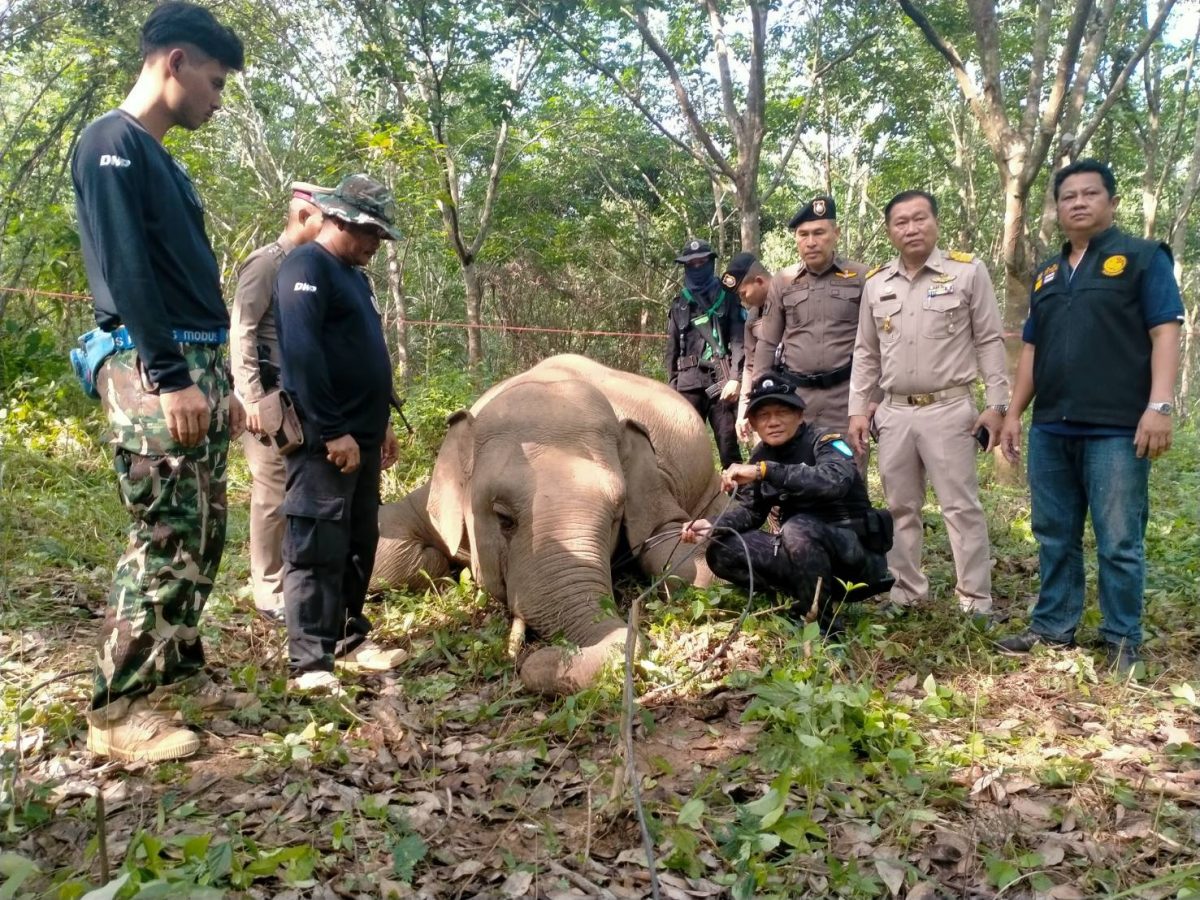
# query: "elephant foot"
{"type": "Point", "coordinates": [559, 670]}
{"type": "Point", "coordinates": [516, 637]}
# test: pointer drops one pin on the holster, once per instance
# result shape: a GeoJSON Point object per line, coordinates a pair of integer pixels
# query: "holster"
{"type": "Point", "coordinates": [280, 422]}
{"type": "Point", "coordinates": [878, 530]}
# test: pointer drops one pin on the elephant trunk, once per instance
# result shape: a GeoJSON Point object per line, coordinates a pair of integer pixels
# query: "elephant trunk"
{"type": "Point", "coordinates": [563, 670]}
{"type": "Point", "coordinates": [562, 594]}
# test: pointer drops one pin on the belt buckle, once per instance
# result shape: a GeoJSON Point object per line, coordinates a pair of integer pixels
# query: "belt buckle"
{"type": "Point", "coordinates": [920, 399]}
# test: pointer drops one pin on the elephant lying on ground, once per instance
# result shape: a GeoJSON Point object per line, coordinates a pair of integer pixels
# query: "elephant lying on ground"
{"type": "Point", "coordinates": [534, 488]}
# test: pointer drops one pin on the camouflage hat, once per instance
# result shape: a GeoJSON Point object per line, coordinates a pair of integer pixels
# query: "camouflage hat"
{"type": "Point", "coordinates": [360, 200]}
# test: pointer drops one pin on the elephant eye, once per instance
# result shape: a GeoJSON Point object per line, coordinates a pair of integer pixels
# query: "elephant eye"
{"type": "Point", "coordinates": [506, 522]}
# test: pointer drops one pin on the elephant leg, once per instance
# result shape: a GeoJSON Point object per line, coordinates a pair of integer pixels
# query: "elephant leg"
{"type": "Point", "coordinates": [669, 554]}
{"type": "Point", "coordinates": [408, 554]}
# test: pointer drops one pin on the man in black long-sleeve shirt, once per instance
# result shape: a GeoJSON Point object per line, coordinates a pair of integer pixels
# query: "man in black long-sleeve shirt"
{"type": "Point", "coordinates": [337, 368]}
{"type": "Point", "coordinates": [829, 531]}
{"type": "Point", "coordinates": [165, 389]}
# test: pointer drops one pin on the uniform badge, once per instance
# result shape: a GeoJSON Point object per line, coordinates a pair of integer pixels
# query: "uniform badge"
{"type": "Point", "coordinates": [846, 274]}
{"type": "Point", "coordinates": [819, 207]}
{"type": "Point", "coordinates": [961, 256]}
{"type": "Point", "coordinates": [1046, 276]}
{"type": "Point", "coordinates": [943, 279]}
{"type": "Point", "coordinates": [1114, 265]}
{"type": "Point", "coordinates": [1037, 285]}
{"type": "Point", "coordinates": [843, 448]}
{"type": "Point", "coordinates": [887, 325]}
{"type": "Point", "coordinates": [729, 280]}
{"type": "Point", "coordinates": [694, 245]}
{"type": "Point", "coordinates": [939, 290]}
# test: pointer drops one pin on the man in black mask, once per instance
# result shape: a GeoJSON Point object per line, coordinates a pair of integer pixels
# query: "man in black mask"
{"type": "Point", "coordinates": [704, 346]}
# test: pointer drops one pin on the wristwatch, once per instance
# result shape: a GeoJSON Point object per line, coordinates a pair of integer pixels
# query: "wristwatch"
{"type": "Point", "coordinates": [1001, 408]}
{"type": "Point", "coordinates": [1163, 409]}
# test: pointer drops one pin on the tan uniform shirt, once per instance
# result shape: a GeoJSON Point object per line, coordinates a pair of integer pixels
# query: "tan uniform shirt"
{"type": "Point", "coordinates": [252, 320]}
{"type": "Point", "coordinates": [814, 315]}
{"type": "Point", "coordinates": [754, 324]}
{"type": "Point", "coordinates": [937, 330]}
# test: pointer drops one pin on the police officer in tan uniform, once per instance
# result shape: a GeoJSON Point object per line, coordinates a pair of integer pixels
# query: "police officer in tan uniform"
{"type": "Point", "coordinates": [811, 316]}
{"type": "Point", "coordinates": [929, 327]}
{"type": "Point", "coordinates": [750, 278]}
{"type": "Point", "coordinates": [254, 352]}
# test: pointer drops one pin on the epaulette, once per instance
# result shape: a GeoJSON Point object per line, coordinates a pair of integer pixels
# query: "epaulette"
{"type": "Point", "coordinates": [961, 256]}
{"type": "Point", "coordinates": [872, 272]}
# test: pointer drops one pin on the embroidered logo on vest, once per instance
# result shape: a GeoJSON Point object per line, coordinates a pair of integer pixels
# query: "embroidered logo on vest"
{"type": "Point", "coordinates": [1114, 265]}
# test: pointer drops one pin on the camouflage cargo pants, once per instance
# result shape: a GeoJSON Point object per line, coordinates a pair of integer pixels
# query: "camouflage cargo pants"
{"type": "Point", "coordinates": [176, 499]}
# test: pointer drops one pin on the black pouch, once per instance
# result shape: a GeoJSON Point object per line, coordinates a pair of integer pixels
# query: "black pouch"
{"type": "Point", "coordinates": [880, 530]}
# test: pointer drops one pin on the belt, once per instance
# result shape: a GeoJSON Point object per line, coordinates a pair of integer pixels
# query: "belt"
{"type": "Point", "coordinates": [823, 380]}
{"type": "Point", "coordinates": [692, 362]}
{"type": "Point", "coordinates": [124, 340]}
{"type": "Point", "coordinates": [961, 390]}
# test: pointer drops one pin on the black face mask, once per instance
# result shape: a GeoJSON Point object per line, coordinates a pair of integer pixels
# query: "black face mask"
{"type": "Point", "coordinates": [699, 279]}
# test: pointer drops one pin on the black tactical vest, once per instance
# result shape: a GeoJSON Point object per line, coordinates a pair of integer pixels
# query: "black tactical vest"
{"type": "Point", "coordinates": [1091, 362]}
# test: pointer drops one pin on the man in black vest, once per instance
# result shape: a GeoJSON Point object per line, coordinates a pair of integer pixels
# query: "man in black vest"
{"type": "Point", "coordinates": [1101, 355]}
{"type": "Point", "coordinates": [830, 533]}
{"type": "Point", "coordinates": [704, 346]}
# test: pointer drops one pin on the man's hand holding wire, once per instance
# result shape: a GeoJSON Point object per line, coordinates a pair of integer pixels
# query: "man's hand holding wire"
{"type": "Point", "coordinates": [695, 531]}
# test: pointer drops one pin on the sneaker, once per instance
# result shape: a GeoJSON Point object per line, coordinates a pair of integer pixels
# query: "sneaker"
{"type": "Point", "coordinates": [1121, 659]}
{"type": "Point", "coordinates": [144, 735]}
{"type": "Point", "coordinates": [317, 683]}
{"type": "Point", "coordinates": [200, 692]}
{"type": "Point", "coordinates": [370, 657]}
{"type": "Point", "coordinates": [1022, 643]}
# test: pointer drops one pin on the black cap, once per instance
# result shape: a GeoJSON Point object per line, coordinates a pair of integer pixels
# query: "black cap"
{"type": "Point", "coordinates": [816, 208]}
{"type": "Point", "coordinates": [695, 248]}
{"type": "Point", "coordinates": [774, 387]}
{"type": "Point", "coordinates": [737, 269]}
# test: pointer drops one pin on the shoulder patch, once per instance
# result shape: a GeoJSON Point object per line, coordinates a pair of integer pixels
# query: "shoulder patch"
{"type": "Point", "coordinates": [874, 271]}
{"type": "Point", "coordinates": [843, 448]}
{"type": "Point", "coordinates": [961, 256]}
{"type": "Point", "coordinates": [826, 438]}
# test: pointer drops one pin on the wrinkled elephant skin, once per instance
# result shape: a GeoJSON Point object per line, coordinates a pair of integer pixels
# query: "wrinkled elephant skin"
{"type": "Point", "coordinates": [533, 488]}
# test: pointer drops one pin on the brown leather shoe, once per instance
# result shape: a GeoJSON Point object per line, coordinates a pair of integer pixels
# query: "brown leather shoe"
{"type": "Point", "coordinates": [144, 735]}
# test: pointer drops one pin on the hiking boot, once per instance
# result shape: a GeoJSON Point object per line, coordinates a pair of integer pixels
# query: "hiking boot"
{"type": "Point", "coordinates": [370, 657]}
{"type": "Point", "coordinates": [1120, 659]}
{"type": "Point", "coordinates": [1019, 644]}
{"type": "Point", "coordinates": [144, 735]}
{"type": "Point", "coordinates": [200, 692]}
{"type": "Point", "coordinates": [317, 683]}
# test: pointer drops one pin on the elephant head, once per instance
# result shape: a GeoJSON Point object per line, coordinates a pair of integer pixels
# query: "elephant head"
{"type": "Point", "coordinates": [540, 481]}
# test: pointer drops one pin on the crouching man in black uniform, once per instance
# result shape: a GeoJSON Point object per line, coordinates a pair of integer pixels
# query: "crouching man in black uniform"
{"type": "Point", "coordinates": [830, 531]}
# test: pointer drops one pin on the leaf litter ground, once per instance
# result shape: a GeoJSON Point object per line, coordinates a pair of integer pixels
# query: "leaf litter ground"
{"type": "Point", "coordinates": [911, 761]}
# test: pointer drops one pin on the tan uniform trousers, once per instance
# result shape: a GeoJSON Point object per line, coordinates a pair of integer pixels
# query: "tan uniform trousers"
{"type": "Point", "coordinates": [267, 523]}
{"type": "Point", "coordinates": [934, 441]}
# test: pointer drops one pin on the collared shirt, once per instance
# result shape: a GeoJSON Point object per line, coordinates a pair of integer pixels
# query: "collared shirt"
{"type": "Point", "coordinates": [252, 320]}
{"type": "Point", "coordinates": [750, 336]}
{"type": "Point", "coordinates": [815, 316]}
{"type": "Point", "coordinates": [938, 329]}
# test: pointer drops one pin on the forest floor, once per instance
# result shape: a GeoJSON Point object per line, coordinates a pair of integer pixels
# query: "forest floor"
{"type": "Point", "coordinates": [912, 760]}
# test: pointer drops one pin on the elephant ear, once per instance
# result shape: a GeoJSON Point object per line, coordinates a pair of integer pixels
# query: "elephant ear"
{"type": "Point", "coordinates": [448, 503]}
{"type": "Point", "coordinates": [649, 503]}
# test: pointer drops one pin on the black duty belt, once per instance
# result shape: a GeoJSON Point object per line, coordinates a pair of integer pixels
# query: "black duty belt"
{"type": "Point", "coordinates": [691, 362]}
{"type": "Point", "coordinates": [824, 379]}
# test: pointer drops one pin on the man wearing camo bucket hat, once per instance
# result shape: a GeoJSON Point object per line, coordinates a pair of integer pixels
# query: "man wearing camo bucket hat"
{"type": "Point", "coordinates": [337, 370]}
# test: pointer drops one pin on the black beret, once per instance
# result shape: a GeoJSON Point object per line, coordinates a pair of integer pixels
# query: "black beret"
{"type": "Point", "coordinates": [816, 208]}
{"type": "Point", "coordinates": [737, 269]}
{"type": "Point", "coordinates": [695, 248]}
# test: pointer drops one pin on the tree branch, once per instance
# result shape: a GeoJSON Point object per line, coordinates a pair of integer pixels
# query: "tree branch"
{"type": "Point", "coordinates": [1119, 85]}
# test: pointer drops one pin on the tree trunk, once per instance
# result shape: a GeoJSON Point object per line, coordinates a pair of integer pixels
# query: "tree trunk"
{"type": "Point", "coordinates": [474, 284]}
{"type": "Point", "coordinates": [395, 282]}
{"type": "Point", "coordinates": [1016, 257]}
